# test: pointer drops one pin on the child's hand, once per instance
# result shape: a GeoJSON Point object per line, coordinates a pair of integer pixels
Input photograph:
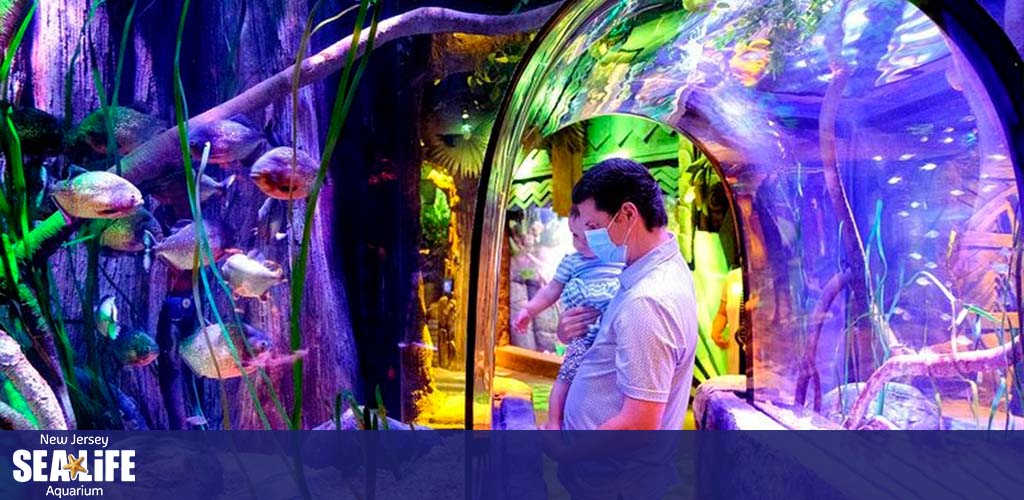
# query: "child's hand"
{"type": "Point", "coordinates": [521, 321]}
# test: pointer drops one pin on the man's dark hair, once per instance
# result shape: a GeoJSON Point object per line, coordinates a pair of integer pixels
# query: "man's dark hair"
{"type": "Point", "coordinates": [615, 181]}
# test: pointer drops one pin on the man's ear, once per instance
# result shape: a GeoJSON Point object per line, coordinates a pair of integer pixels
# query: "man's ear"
{"type": "Point", "coordinates": [630, 211]}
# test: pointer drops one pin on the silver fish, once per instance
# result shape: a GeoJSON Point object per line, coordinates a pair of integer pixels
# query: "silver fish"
{"type": "Point", "coordinates": [251, 276]}
{"type": "Point", "coordinates": [178, 249]}
{"type": "Point", "coordinates": [97, 195]}
{"type": "Point", "coordinates": [208, 353]}
{"type": "Point", "coordinates": [210, 187]}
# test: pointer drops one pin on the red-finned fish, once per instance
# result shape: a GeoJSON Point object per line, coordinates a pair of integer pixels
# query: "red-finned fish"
{"type": "Point", "coordinates": [275, 175]}
{"type": "Point", "coordinates": [178, 249]}
{"type": "Point", "coordinates": [231, 141]}
{"type": "Point", "coordinates": [97, 195]}
{"type": "Point", "coordinates": [131, 129]}
{"type": "Point", "coordinates": [209, 354]}
{"type": "Point", "coordinates": [136, 348]}
{"type": "Point", "coordinates": [132, 233]}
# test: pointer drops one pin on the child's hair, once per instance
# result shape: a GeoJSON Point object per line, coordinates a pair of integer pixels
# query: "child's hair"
{"type": "Point", "coordinates": [574, 211]}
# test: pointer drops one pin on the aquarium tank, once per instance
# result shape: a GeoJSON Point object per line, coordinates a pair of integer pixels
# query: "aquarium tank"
{"type": "Point", "coordinates": [870, 151]}
{"type": "Point", "coordinates": [248, 214]}
{"type": "Point", "coordinates": [293, 214]}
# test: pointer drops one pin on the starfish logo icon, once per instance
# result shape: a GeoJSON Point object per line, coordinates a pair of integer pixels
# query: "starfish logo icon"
{"type": "Point", "coordinates": [75, 466]}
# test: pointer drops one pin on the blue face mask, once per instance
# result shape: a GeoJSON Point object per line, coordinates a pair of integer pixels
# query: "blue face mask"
{"type": "Point", "coordinates": [600, 242]}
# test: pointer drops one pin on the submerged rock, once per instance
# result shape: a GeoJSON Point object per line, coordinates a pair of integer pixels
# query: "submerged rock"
{"type": "Point", "coordinates": [905, 406]}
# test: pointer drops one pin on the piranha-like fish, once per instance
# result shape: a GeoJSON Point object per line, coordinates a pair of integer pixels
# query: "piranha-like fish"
{"type": "Point", "coordinates": [210, 187]}
{"type": "Point", "coordinates": [750, 61]}
{"type": "Point", "coordinates": [131, 129]}
{"type": "Point", "coordinates": [178, 249]}
{"type": "Point", "coordinates": [40, 133]}
{"type": "Point", "coordinates": [105, 315]}
{"type": "Point", "coordinates": [96, 195]}
{"type": "Point", "coordinates": [131, 234]}
{"type": "Point", "coordinates": [230, 141]}
{"type": "Point", "coordinates": [251, 276]}
{"type": "Point", "coordinates": [171, 189]}
{"type": "Point", "coordinates": [274, 174]}
{"type": "Point", "coordinates": [271, 220]}
{"type": "Point", "coordinates": [208, 353]}
{"type": "Point", "coordinates": [136, 348]}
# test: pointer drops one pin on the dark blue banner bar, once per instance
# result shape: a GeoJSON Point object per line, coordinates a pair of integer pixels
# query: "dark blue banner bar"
{"type": "Point", "coordinates": [512, 465]}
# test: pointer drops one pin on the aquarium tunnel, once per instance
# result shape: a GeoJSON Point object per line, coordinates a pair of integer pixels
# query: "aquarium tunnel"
{"type": "Point", "coordinates": [869, 156]}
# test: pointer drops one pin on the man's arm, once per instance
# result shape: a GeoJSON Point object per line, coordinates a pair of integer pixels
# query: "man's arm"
{"type": "Point", "coordinates": [636, 415]}
{"type": "Point", "coordinates": [648, 343]}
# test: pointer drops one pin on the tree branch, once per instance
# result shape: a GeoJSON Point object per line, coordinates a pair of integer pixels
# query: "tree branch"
{"type": "Point", "coordinates": [40, 398]}
{"type": "Point", "coordinates": [148, 160]}
{"type": "Point", "coordinates": [933, 365]}
{"type": "Point", "coordinates": [11, 420]}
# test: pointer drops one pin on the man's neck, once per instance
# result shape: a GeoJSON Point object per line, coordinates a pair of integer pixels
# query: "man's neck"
{"type": "Point", "coordinates": [646, 241]}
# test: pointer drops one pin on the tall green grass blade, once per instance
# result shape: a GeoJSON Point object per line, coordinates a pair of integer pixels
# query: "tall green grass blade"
{"type": "Point", "coordinates": [342, 103]}
{"type": "Point", "coordinates": [111, 140]}
{"type": "Point", "coordinates": [181, 115]}
{"type": "Point", "coordinates": [5, 70]}
{"type": "Point", "coordinates": [381, 411]}
{"type": "Point", "coordinates": [69, 79]}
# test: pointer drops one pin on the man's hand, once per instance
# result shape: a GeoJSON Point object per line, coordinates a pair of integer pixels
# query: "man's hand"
{"type": "Point", "coordinates": [574, 322]}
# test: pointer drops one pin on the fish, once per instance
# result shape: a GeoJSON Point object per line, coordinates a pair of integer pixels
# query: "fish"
{"type": "Point", "coordinates": [251, 276]}
{"type": "Point", "coordinates": [178, 249]}
{"type": "Point", "coordinates": [271, 219]}
{"type": "Point", "coordinates": [132, 234]}
{"type": "Point", "coordinates": [210, 187]}
{"type": "Point", "coordinates": [131, 129]}
{"type": "Point", "coordinates": [273, 173]}
{"type": "Point", "coordinates": [208, 352]}
{"type": "Point", "coordinates": [750, 61]}
{"type": "Point", "coordinates": [96, 195]}
{"type": "Point", "coordinates": [197, 421]}
{"type": "Point", "coordinates": [231, 141]}
{"type": "Point", "coordinates": [173, 188]}
{"type": "Point", "coordinates": [136, 348]}
{"type": "Point", "coordinates": [105, 315]}
{"type": "Point", "coordinates": [40, 133]}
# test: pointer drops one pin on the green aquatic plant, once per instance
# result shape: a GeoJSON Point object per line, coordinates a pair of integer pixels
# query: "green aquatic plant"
{"type": "Point", "coordinates": [203, 250]}
{"type": "Point", "coordinates": [343, 101]}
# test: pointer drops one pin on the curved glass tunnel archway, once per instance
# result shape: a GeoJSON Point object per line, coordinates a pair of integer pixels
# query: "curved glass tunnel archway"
{"type": "Point", "coordinates": [874, 175]}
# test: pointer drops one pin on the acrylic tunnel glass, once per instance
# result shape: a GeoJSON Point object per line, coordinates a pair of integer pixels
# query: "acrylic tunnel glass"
{"type": "Point", "coordinates": [872, 174]}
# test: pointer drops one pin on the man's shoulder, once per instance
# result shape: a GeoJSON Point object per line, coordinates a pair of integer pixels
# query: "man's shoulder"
{"type": "Point", "coordinates": [670, 279]}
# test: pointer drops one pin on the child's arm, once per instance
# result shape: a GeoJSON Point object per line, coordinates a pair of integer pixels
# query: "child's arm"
{"type": "Point", "coordinates": [545, 298]}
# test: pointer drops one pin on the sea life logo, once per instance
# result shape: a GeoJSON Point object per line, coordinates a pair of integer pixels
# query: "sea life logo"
{"type": "Point", "coordinates": [70, 469]}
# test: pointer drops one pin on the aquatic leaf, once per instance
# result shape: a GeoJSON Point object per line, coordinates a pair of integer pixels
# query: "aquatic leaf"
{"type": "Point", "coordinates": [202, 242]}
{"type": "Point", "coordinates": [380, 409]}
{"type": "Point", "coordinates": [974, 402]}
{"type": "Point", "coordinates": [12, 48]}
{"type": "Point", "coordinates": [995, 401]}
{"type": "Point", "coordinates": [980, 312]}
{"type": "Point", "coordinates": [343, 101]}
